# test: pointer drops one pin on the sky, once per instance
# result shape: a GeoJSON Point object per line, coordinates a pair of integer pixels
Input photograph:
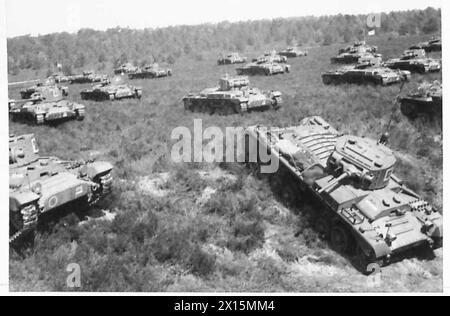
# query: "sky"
{"type": "Point", "coordinates": [49, 16]}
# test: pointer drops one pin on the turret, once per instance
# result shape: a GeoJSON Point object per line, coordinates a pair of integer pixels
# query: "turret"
{"type": "Point", "coordinates": [368, 163]}
{"type": "Point", "coordinates": [229, 83]}
{"type": "Point", "coordinates": [22, 150]}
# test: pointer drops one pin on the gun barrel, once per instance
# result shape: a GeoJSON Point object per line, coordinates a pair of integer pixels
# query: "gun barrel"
{"type": "Point", "coordinates": [334, 182]}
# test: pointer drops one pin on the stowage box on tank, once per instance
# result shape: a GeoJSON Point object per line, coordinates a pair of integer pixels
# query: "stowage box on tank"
{"type": "Point", "coordinates": [366, 211]}
{"type": "Point", "coordinates": [233, 95]}
{"type": "Point", "coordinates": [40, 185]}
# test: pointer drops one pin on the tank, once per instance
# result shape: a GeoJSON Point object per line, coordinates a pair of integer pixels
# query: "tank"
{"type": "Point", "coordinates": [353, 57]}
{"type": "Point", "coordinates": [292, 52]}
{"type": "Point", "coordinates": [40, 185]}
{"type": "Point", "coordinates": [367, 71]}
{"type": "Point", "coordinates": [363, 209]}
{"type": "Point", "coordinates": [433, 45]}
{"type": "Point", "coordinates": [359, 47]}
{"type": "Point", "coordinates": [270, 57]}
{"type": "Point", "coordinates": [125, 69]}
{"type": "Point", "coordinates": [150, 72]}
{"type": "Point", "coordinates": [46, 106]}
{"type": "Point", "coordinates": [427, 99]}
{"type": "Point", "coordinates": [60, 78]}
{"type": "Point", "coordinates": [415, 61]}
{"type": "Point", "coordinates": [233, 95]}
{"type": "Point", "coordinates": [87, 77]}
{"type": "Point", "coordinates": [41, 87]}
{"type": "Point", "coordinates": [115, 90]}
{"type": "Point", "coordinates": [263, 68]}
{"type": "Point", "coordinates": [231, 58]}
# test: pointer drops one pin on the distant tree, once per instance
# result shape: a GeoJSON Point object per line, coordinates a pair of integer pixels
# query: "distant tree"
{"type": "Point", "coordinates": [432, 25]}
{"type": "Point", "coordinates": [170, 60]}
{"type": "Point", "coordinates": [102, 57]}
{"type": "Point", "coordinates": [403, 29]}
{"type": "Point", "coordinates": [67, 70]}
{"type": "Point", "coordinates": [80, 61]}
{"type": "Point", "coordinates": [328, 40]}
{"type": "Point", "coordinates": [120, 45]}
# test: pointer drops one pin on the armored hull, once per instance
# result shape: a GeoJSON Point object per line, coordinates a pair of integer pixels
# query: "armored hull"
{"type": "Point", "coordinates": [366, 75]}
{"type": "Point", "coordinates": [42, 87]}
{"type": "Point", "coordinates": [150, 72]}
{"type": "Point", "coordinates": [359, 47]}
{"type": "Point", "coordinates": [426, 100]}
{"type": "Point", "coordinates": [270, 57]}
{"type": "Point", "coordinates": [87, 77]}
{"type": "Point", "coordinates": [414, 61]}
{"type": "Point", "coordinates": [264, 69]}
{"type": "Point", "coordinates": [293, 52]}
{"type": "Point", "coordinates": [352, 58]}
{"type": "Point", "coordinates": [125, 69]}
{"type": "Point", "coordinates": [353, 54]}
{"type": "Point", "coordinates": [434, 45]}
{"type": "Point", "coordinates": [232, 96]}
{"type": "Point", "coordinates": [365, 210]}
{"type": "Point", "coordinates": [232, 58]}
{"type": "Point", "coordinates": [40, 185]}
{"type": "Point", "coordinates": [46, 107]}
{"type": "Point", "coordinates": [112, 91]}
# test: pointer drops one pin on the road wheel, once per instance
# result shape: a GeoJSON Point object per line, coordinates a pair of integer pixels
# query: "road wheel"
{"type": "Point", "coordinates": [366, 264]}
{"type": "Point", "coordinates": [327, 80]}
{"type": "Point", "coordinates": [187, 105]}
{"type": "Point", "coordinates": [243, 107]}
{"type": "Point", "coordinates": [80, 115]}
{"type": "Point", "coordinates": [409, 110]}
{"type": "Point", "coordinates": [40, 119]}
{"type": "Point", "coordinates": [341, 240]}
{"type": "Point", "coordinates": [322, 225]}
{"type": "Point", "coordinates": [138, 94]}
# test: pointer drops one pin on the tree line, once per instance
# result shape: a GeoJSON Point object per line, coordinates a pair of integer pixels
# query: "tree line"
{"type": "Point", "coordinates": [102, 49]}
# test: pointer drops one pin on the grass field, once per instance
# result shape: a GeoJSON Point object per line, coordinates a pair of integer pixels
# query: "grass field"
{"type": "Point", "coordinates": [226, 231]}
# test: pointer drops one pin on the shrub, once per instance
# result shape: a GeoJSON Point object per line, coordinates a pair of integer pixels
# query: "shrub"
{"type": "Point", "coordinates": [172, 244]}
{"type": "Point", "coordinates": [145, 229]}
{"type": "Point", "coordinates": [247, 236]}
{"type": "Point", "coordinates": [202, 263]}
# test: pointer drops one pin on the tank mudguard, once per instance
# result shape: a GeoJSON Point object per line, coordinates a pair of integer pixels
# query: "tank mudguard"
{"type": "Point", "coordinates": [17, 200]}
{"type": "Point", "coordinates": [98, 168]}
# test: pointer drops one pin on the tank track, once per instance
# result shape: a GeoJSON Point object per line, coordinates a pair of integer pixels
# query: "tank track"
{"type": "Point", "coordinates": [29, 219]}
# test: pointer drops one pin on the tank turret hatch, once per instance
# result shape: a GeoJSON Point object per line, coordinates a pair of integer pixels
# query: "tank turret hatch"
{"type": "Point", "coordinates": [369, 163]}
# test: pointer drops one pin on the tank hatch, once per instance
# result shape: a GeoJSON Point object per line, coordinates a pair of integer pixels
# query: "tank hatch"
{"type": "Point", "coordinates": [369, 163]}
{"type": "Point", "coordinates": [22, 150]}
